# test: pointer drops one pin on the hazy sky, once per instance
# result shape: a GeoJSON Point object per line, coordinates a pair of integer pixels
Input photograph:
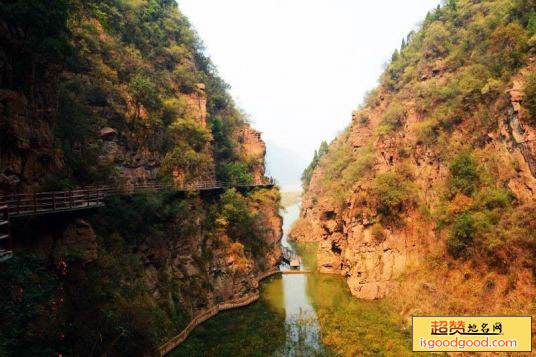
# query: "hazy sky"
{"type": "Point", "coordinates": [300, 67]}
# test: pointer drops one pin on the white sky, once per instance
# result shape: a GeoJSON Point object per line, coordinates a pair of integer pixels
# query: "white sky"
{"type": "Point", "coordinates": [300, 67]}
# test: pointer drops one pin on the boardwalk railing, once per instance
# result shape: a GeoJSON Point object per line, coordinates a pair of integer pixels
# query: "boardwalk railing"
{"type": "Point", "coordinates": [25, 204]}
{"type": "Point", "coordinates": [28, 204]}
{"type": "Point", "coordinates": [5, 236]}
{"type": "Point", "coordinates": [41, 202]}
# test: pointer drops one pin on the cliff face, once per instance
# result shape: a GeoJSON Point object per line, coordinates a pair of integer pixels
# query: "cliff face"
{"type": "Point", "coordinates": [113, 92]}
{"type": "Point", "coordinates": [345, 231]}
{"type": "Point", "coordinates": [148, 263]}
{"type": "Point", "coordinates": [401, 203]}
{"type": "Point", "coordinates": [27, 149]}
{"type": "Point", "coordinates": [254, 149]}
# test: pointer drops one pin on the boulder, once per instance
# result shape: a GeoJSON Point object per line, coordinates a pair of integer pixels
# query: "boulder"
{"type": "Point", "coordinates": [108, 133]}
{"type": "Point", "coordinates": [77, 240]}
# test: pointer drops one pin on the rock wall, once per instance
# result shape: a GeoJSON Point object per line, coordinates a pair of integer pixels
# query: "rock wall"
{"type": "Point", "coordinates": [63, 125]}
{"type": "Point", "coordinates": [373, 258]}
{"type": "Point", "coordinates": [89, 101]}
{"type": "Point", "coordinates": [230, 272]}
{"type": "Point", "coordinates": [197, 104]}
{"type": "Point", "coordinates": [254, 149]}
{"type": "Point", "coordinates": [27, 144]}
{"type": "Point", "coordinates": [201, 268]}
{"type": "Point", "coordinates": [29, 151]}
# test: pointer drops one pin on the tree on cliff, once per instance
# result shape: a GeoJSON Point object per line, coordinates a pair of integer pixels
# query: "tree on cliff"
{"type": "Point", "coordinates": [308, 172]}
{"type": "Point", "coordinates": [530, 97]}
{"type": "Point", "coordinates": [144, 94]}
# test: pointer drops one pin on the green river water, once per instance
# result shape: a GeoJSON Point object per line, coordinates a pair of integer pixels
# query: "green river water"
{"type": "Point", "coordinates": [302, 315]}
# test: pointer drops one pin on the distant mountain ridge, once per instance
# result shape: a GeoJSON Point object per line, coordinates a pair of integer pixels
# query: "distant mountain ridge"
{"type": "Point", "coordinates": [284, 164]}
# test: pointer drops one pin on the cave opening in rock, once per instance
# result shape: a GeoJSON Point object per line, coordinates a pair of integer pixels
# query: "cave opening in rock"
{"type": "Point", "coordinates": [335, 249]}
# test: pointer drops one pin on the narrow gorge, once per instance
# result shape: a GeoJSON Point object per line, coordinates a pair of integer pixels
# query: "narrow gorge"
{"type": "Point", "coordinates": [138, 215]}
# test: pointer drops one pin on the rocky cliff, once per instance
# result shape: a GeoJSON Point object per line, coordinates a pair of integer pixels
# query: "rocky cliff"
{"type": "Point", "coordinates": [113, 92]}
{"type": "Point", "coordinates": [433, 184]}
{"type": "Point", "coordinates": [148, 263]}
{"type": "Point", "coordinates": [254, 149]}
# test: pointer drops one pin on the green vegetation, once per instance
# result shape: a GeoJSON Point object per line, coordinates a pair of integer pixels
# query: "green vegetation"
{"type": "Point", "coordinates": [531, 26]}
{"type": "Point", "coordinates": [242, 223]}
{"type": "Point", "coordinates": [257, 330]}
{"type": "Point", "coordinates": [529, 100]}
{"type": "Point", "coordinates": [138, 67]}
{"type": "Point", "coordinates": [392, 118]}
{"type": "Point", "coordinates": [355, 327]}
{"type": "Point", "coordinates": [28, 305]}
{"type": "Point", "coordinates": [464, 177]}
{"type": "Point", "coordinates": [377, 232]}
{"type": "Point", "coordinates": [148, 214]}
{"type": "Point", "coordinates": [49, 310]}
{"type": "Point", "coordinates": [344, 166]}
{"type": "Point", "coordinates": [44, 28]}
{"type": "Point", "coordinates": [144, 94]}
{"type": "Point", "coordinates": [439, 102]}
{"type": "Point", "coordinates": [105, 306]}
{"type": "Point", "coordinates": [491, 227]}
{"type": "Point", "coordinates": [77, 128]}
{"type": "Point", "coordinates": [474, 47]}
{"type": "Point", "coordinates": [475, 231]}
{"type": "Point", "coordinates": [348, 327]}
{"type": "Point", "coordinates": [109, 305]}
{"type": "Point", "coordinates": [463, 231]}
{"type": "Point", "coordinates": [308, 172]}
{"type": "Point", "coordinates": [394, 194]}
{"type": "Point", "coordinates": [238, 172]}
{"type": "Point", "coordinates": [453, 68]}
{"type": "Point", "coordinates": [129, 65]}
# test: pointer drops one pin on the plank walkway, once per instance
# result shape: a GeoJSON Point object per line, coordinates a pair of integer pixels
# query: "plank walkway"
{"type": "Point", "coordinates": [38, 203]}
{"type": "Point", "coordinates": [297, 272]}
{"type": "Point", "coordinates": [29, 204]}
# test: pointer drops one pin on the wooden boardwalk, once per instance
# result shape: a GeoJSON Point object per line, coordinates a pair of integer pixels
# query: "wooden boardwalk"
{"type": "Point", "coordinates": [29, 204]}
{"type": "Point", "coordinates": [297, 272]}
{"type": "Point", "coordinates": [38, 203]}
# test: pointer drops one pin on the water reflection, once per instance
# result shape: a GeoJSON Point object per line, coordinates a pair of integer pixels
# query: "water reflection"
{"type": "Point", "coordinates": [302, 315]}
{"type": "Point", "coordinates": [303, 329]}
{"type": "Point", "coordinates": [256, 330]}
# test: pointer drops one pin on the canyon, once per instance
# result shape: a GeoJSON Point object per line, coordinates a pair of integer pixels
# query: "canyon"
{"type": "Point", "coordinates": [424, 205]}
{"type": "Point", "coordinates": [386, 204]}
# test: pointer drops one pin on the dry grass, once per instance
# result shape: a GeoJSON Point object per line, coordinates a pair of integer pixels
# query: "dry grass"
{"type": "Point", "coordinates": [445, 287]}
